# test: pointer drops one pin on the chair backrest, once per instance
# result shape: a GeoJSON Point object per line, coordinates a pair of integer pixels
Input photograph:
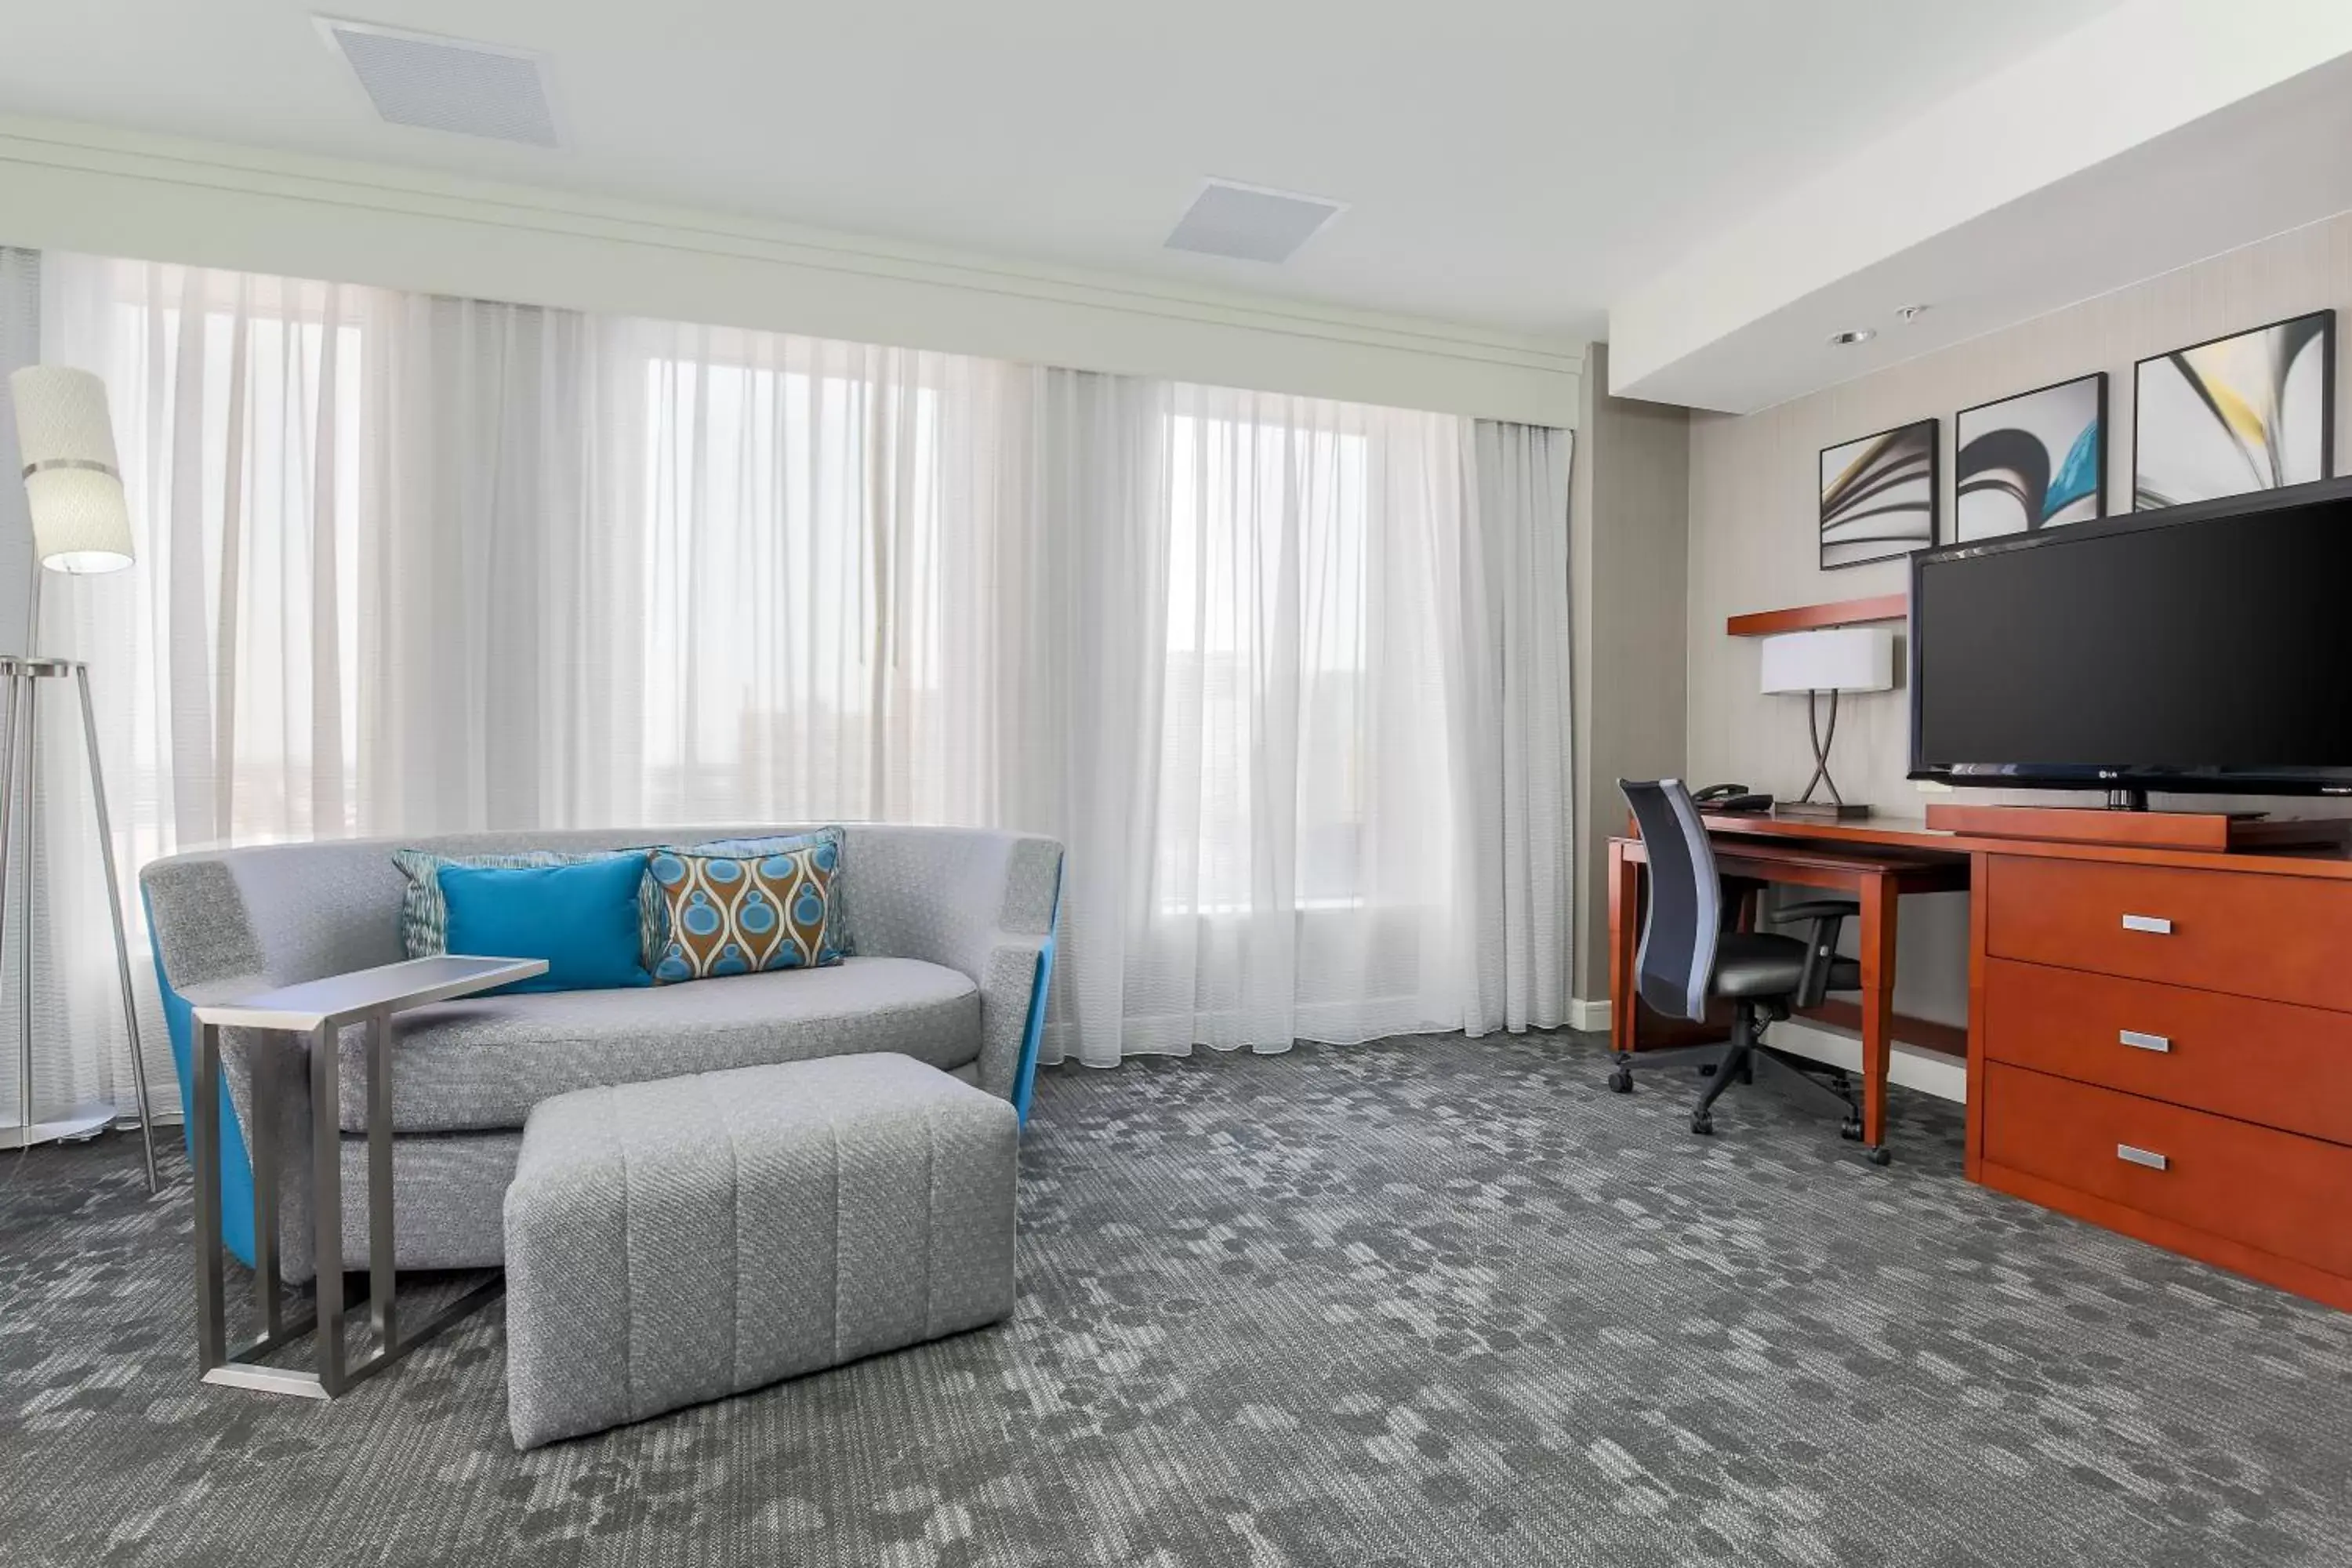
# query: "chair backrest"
{"type": "Point", "coordinates": [1685, 915]}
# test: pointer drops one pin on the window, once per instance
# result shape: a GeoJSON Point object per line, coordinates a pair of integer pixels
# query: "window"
{"type": "Point", "coordinates": [1266, 628]}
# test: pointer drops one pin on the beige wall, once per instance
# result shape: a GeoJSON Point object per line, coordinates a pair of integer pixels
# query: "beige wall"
{"type": "Point", "coordinates": [1629, 547]}
{"type": "Point", "coordinates": [1753, 510]}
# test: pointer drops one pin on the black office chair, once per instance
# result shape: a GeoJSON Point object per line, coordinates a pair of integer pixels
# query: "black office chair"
{"type": "Point", "coordinates": [1690, 954]}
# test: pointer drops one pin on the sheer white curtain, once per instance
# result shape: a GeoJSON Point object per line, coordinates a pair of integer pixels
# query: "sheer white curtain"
{"type": "Point", "coordinates": [417, 564]}
{"type": "Point", "coordinates": [641, 572]}
{"type": "Point", "coordinates": [224, 664]}
{"type": "Point", "coordinates": [1287, 675]}
{"type": "Point", "coordinates": [73, 991]}
{"type": "Point", "coordinates": [1316, 717]}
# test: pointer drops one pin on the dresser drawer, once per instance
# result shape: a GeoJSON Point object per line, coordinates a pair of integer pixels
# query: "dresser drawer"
{"type": "Point", "coordinates": [2286, 938]}
{"type": "Point", "coordinates": [2265, 1062]}
{"type": "Point", "coordinates": [2276, 1192]}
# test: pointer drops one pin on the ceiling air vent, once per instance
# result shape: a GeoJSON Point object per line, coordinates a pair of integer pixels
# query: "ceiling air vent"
{"type": "Point", "coordinates": [448, 84]}
{"type": "Point", "coordinates": [1250, 223]}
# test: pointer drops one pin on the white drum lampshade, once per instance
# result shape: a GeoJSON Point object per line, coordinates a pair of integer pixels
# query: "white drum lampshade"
{"type": "Point", "coordinates": [73, 483]}
{"type": "Point", "coordinates": [1843, 659]}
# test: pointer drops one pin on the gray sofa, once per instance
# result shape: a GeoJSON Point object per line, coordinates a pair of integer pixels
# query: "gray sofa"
{"type": "Point", "coordinates": [947, 925]}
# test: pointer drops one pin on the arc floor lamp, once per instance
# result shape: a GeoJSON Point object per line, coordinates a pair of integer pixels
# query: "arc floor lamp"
{"type": "Point", "coordinates": [81, 523]}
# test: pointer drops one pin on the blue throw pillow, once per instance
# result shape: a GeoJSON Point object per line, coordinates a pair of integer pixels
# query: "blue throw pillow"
{"type": "Point", "coordinates": [582, 917]}
{"type": "Point", "coordinates": [425, 916]}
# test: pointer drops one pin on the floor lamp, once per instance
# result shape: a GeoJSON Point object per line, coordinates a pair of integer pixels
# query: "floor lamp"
{"type": "Point", "coordinates": [81, 523]}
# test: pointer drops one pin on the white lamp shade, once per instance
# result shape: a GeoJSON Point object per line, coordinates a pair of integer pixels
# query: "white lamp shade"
{"type": "Point", "coordinates": [73, 483]}
{"type": "Point", "coordinates": [1843, 659]}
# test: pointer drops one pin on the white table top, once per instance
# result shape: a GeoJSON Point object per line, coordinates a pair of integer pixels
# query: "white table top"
{"type": "Point", "coordinates": [340, 999]}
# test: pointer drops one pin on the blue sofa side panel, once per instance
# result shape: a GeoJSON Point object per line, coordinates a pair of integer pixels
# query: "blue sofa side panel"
{"type": "Point", "coordinates": [237, 1171]}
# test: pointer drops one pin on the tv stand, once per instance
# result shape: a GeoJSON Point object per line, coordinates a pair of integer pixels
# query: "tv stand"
{"type": "Point", "coordinates": [2136, 827]}
{"type": "Point", "coordinates": [2128, 800]}
{"type": "Point", "coordinates": [2158, 1043]}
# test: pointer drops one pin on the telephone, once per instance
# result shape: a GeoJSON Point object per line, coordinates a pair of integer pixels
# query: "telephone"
{"type": "Point", "coordinates": [1730, 797]}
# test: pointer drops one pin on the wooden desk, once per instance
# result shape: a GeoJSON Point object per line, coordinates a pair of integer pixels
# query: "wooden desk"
{"type": "Point", "coordinates": [1877, 861]}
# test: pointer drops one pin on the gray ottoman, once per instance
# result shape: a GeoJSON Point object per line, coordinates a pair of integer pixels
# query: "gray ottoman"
{"type": "Point", "coordinates": [673, 1242]}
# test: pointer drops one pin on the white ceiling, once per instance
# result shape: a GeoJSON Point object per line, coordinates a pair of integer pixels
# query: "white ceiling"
{"type": "Point", "coordinates": [1515, 164]}
{"type": "Point", "coordinates": [2166, 203]}
{"type": "Point", "coordinates": [2157, 135]}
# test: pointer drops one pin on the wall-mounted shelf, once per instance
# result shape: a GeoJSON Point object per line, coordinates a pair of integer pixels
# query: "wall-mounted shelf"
{"type": "Point", "coordinates": [1814, 617]}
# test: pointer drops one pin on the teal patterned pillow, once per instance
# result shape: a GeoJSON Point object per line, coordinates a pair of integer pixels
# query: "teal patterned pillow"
{"type": "Point", "coordinates": [836, 898]}
{"type": "Point", "coordinates": [425, 913]}
{"type": "Point", "coordinates": [742, 914]}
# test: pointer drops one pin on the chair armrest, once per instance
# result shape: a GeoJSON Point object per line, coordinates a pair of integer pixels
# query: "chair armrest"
{"type": "Point", "coordinates": [1822, 961]}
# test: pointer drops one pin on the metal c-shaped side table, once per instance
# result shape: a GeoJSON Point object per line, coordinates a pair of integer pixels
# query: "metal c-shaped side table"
{"type": "Point", "coordinates": [317, 1010]}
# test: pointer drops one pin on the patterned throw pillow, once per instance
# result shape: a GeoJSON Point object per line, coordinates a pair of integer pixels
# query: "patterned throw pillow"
{"type": "Point", "coordinates": [425, 911]}
{"type": "Point", "coordinates": [742, 914]}
{"type": "Point", "coordinates": [836, 901]}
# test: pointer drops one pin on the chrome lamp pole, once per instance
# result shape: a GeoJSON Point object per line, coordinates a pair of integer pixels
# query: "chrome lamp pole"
{"type": "Point", "coordinates": [81, 523]}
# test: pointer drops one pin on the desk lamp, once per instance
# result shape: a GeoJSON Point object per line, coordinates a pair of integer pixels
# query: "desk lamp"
{"type": "Point", "coordinates": [1840, 659]}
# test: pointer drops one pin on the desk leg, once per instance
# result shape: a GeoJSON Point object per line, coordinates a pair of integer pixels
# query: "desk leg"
{"type": "Point", "coordinates": [1879, 902]}
{"type": "Point", "coordinates": [1624, 921]}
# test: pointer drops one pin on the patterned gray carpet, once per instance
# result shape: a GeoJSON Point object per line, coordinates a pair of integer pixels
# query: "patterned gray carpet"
{"type": "Point", "coordinates": [1429, 1301]}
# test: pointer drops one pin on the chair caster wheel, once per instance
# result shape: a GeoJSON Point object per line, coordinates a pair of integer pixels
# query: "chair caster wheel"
{"type": "Point", "coordinates": [1849, 1130]}
{"type": "Point", "coordinates": [1621, 1081]}
{"type": "Point", "coordinates": [1880, 1156]}
{"type": "Point", "coordinates": [1702, 1124]}
{"type": "Point", "coordinates": [1707, 1069]}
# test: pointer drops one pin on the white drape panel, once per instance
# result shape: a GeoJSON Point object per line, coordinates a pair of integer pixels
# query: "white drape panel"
{"type": "Point", "coordinates": [1274, 856]}
{"type": "Point", "coordinates": [454, 564]}
{"type": "Point", "coordinates": [223, 664]}
{"type": "Point", "coordinates": [1315, 784]}
{"type": "Point", "coordinates": [1287, 676]}
{"type": "Point", "coordinates": [1512, 749]}
{"type": "Point", "coordinates": [72, 991]}
{"type": "Point", "coordinates": [642, 572]}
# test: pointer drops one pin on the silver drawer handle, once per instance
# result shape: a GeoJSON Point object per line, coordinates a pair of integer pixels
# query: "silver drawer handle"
{"type": "Point", "coordinates": [2155, 925]}
{"type": "Point", "coordinates": [2139, 1041]}
{"type": "Point", "coordinates": [2148, 1157]}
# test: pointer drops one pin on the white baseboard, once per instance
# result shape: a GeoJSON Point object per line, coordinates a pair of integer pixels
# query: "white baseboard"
{"type": "Point", "coordinates": [1929, 1072]}
{"type": "Point", "coordinates": [1591, 1016]}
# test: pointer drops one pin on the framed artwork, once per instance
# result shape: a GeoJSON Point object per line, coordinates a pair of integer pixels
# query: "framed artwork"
{"type": "Point", "coordinates": [2033, 461]}
{"type": "Point", "coordinates": [1878, 496]}
{"type": "Point", "coordinates": [2254, 411]}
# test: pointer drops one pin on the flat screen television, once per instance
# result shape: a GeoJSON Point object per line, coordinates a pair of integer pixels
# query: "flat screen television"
{"type": "Point", "coordinates": [2205, 647]}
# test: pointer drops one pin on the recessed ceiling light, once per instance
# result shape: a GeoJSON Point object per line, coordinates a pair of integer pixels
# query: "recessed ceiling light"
{"type": "Point", "coordinates": [1851, 336]}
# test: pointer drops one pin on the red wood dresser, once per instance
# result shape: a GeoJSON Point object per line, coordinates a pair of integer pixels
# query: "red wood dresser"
{"type": "Point", "coordinates": [2160, 1042]}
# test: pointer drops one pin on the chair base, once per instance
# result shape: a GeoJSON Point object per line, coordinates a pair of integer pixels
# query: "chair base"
{"type": "Point", "coordinates": [1739, 1061]}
